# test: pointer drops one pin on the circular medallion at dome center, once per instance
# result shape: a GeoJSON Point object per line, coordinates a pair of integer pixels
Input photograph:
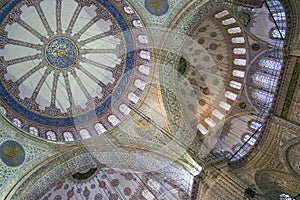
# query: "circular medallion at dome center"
{"type": "Point", "coordinates": [61, 53]}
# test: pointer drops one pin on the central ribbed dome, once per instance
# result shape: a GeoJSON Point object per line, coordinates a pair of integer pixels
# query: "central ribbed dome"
{"type": "Point", "coordinates": [67, 64]}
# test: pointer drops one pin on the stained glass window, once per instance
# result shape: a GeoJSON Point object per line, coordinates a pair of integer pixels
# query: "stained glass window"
{"type": "Point", "coordinates": [276, 33]}
{"type": "Point", "coordinates": [270, 64]}
{"type": "Point", "coordinates": [256, 126]}
{"type": "Point", "coordinates": [279, 16]}
{"type": "Point", "coordinates": [263, 96]}
{"type": "Point", "coordinates": [251, 141]}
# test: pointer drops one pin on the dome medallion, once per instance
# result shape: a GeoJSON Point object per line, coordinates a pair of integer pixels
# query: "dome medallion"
{"type": "Point", "coordinates": [71, 69]}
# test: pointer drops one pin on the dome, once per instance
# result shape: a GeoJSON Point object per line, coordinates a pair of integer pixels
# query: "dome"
{"type": "Point", "coordinates": [71, 70]}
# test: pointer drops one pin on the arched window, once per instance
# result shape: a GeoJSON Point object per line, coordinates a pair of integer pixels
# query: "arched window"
{"type": "Point", "coordinates": [2, 110]}
{"type": "Point", "coordinates": [33, 130]}
{"type": "Point", "coordinates": [228, 21]}
{"type": "Point", "coordinates": [132, 97]}
{"type": "Point", "coordinates": [238, 40]}
{"type": "Point", "coordinates": [265, 81]}
{"type": "Point", "coordinates": [285, 197]}
{"type": "Point", "coordinates": [137, 23]}
{"type": "Point", "coordinates": [235, 85]}
{"type": "Point", "coordinates": [202, 129]}
{"type": "Point", "coordinates": [113, 120]}
{"type": "Point", "coordinates": [231, 95]}
{"type": "Point", "coordinates": [225, 105]}
{"type": "Point", "coordinates": [17, 122]}
{"type": "Point", "coordinates": [68, 136]}
{"type": "Point", "coordinates": [270, 64]}
{"type": "Point", "coordinates": [145, 55]}
{"type": "Point", "coordinates": [154, 184]}
{"type": "Point", "coordinates": [210, 122]}
{"type": "Point", "coordinates": [128, 10]}
{"type": "Point", "coordinates": [51, 135]}
{"type": "Point", "coordinates": [222, 14]}
{"type": "Point", "coordinates": [251, 141]}
{"type": "Point", "coordinates": [147, 194]}
{"type": "Point", "coordinates": [143, 39]}
{"type": "Point", "coordinates": [276, 33]}
{"type": "Point", "coordinates": [139, 84]}
{"type": "Point", "coordinates": [240, 62]}
{"type": "Point", "coordinates": [234, 30]}
{"type": "Point", "coordinates": [238, 73]}
{"type": "Point", "coordinates": [262, 96]}
{"type": "Point", "coordinates": [279, 16]}
{"type": "Point", "coordinates": [256, 125]}
{"type": "Point", "coordinates": [239, 51]}
{"type": "Point", "coordinates": [124, 109]}
{"type": "Point", "coordinates": [218, 114]}
{"type": "Point", "coordinates": [100, 128]}
{"type": "Point", "coordinates": [85, 134]}
{"type": "Point", "coordinates": [240, 152]}
{"type": "Point", "coordinates": [143, 69]}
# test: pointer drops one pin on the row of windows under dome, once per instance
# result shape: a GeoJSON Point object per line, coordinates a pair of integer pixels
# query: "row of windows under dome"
{"type": "Point", "coordinates": [248, 140]}
{"type": "Point", "coordinates": [239, 50]}
{"type": "Point", "coordinates": [84, 133]}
